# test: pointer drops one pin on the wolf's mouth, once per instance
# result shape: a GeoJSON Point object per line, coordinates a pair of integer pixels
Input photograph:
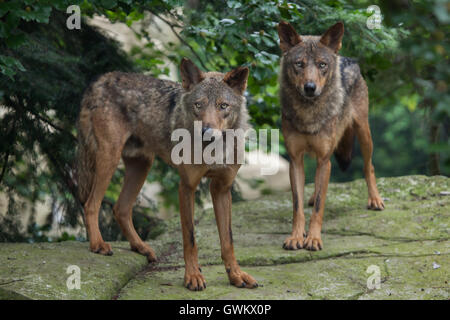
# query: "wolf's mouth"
{"type": "Point", "coordinates": [305, 95]}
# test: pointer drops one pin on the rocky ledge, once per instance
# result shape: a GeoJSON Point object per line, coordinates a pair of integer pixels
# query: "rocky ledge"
{"type": "Point", "coordinates": [406, 247]}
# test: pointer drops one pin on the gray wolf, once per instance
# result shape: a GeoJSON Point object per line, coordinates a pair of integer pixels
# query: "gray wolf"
{"type": "Point", "coordinates": [131, 116]}
{"type": "Point", "coordinates": [324, 103]}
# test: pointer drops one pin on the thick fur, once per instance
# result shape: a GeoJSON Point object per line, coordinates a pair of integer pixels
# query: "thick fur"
{"type": "Point", "coordinates": [85, 163]}
{"type": "Point", "coordinates": [132, 116]}
{"type": "Point", "coordinates": [151, 109]}
{"type": "Point", "coordinates": [311, 116]}
{"type": "Point", "coordinates": [321, 121]}
{"type": "Point", "coordinates": [344, 150]}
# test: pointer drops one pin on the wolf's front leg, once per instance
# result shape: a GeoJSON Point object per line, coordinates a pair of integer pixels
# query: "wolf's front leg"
{"type": "Point", "coordinates": [313, 240]}
{"type": "Point", "coordinates": [193, 279]}
{"type": "Point", "coordinates": [221, 196]}
{"type": "Point", "coordinates": [297, 177]}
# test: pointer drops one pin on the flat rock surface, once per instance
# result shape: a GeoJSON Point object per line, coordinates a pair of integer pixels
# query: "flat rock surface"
{"type": "Point", "coordinates": [407, 245]}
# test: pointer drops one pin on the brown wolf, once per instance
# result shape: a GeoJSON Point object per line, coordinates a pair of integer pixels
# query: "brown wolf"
{"type": "Point", "coordinates": [324, 102]}
{"type": "Point", "coordinates": [132, 116]}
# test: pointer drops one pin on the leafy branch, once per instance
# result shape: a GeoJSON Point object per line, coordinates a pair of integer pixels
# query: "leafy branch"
{"type": "Point", "coordinates": [172, 27]}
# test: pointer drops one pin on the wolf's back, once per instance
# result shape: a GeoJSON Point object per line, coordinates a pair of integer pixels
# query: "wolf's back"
{"type": "Point", "coordinates": [128, 98]}
{"type": "Point", "coordinates": [350, 74]}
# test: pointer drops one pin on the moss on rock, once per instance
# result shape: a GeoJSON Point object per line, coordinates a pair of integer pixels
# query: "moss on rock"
{"type": "Point", "coordinates": [408, 241]}
{"type": "Point", "coordinates": [39, 271]}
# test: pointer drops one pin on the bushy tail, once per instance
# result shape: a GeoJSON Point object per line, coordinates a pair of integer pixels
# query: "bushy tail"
{"type": "Point", "coordinates": [85, 160]}
{"type": "Point", "coordinates": [344, 150]}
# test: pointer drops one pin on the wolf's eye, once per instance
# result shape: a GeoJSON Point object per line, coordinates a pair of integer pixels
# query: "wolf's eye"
{"type": "Point", "coordinates": [197, 105]}
{"type": "Point", "coordinates": [322, 65]}
{"type": "Point", "coordinates": [300, 64]}
{"type": "Point", "coordinates": [223, 106]}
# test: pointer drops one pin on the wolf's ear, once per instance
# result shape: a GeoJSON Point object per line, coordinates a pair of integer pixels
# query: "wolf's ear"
{"type": "Point", "coordinates": [288, 36]}
{"type": "Point", "coordinates": [237, 79]}
{"type": "Point", "coordinates": [332, 38]}
{"type": "Point", "coordinates": [190, 74]}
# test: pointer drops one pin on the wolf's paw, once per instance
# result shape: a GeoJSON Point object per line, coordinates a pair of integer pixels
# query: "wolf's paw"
{"type": "Point", "coordinates": [194, 281]}
{"type": "Point", "coordinates": [145, 250]}
{"type": "Point", "coordinates": [375, 203]}
{"type": "Point", "coordinates": [101, 248]}
{"type": "Point", "coordinates": [313, 242]}
{"type": "Point", "coordinates": [294, 243]}
{"type": "Point", "coordinates": [241, 279]}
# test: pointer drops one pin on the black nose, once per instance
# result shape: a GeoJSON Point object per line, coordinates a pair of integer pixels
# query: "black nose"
{"type": "Point", "coordinates": [309, 88]}
{"type": "Point", "coordinates": [211, 135]}
{"type": "Point", "coordinates": [204, 129]}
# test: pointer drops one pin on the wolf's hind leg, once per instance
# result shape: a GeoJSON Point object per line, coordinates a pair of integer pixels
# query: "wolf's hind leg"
{"type": "Point", "coordinates": [136, 170]}
{"type": "Point", "coordinates": [311, 200]}
{"type": "Point", "coordinates": [365, 140]}
{"type": "Point", "coordinates": [109, 133]}
{"type": "Point", "coordinates": [313, 196]}
{"type": "Point", "coordinates": [106, 159]}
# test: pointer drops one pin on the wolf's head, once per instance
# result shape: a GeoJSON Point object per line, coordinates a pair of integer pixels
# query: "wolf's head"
{"type": "Point", "coordinates": [214, 98]}
{"type": "Point", "coordinates": [309, 61]}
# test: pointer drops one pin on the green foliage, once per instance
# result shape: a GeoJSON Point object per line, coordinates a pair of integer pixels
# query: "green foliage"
{"type": "Point", "coordinates": [245, 34]}
{"type": "Point", "coordinates": [422, 69]}
{"type": "Point", "coordinates": [13, 14]}
{"type": "Point", "coordinates": [41, 106]}
{"type": "Point", "coordinates": [50, 70]}
{"type": "Point", "coordinates": [399, 138]}
{"type": "Point", "coordinates": [405, 60]}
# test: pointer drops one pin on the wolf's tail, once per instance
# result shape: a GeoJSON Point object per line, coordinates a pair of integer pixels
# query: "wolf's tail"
{"type": "Point", "coordinates": [344, 150]}
{"type": "Point", "coordinates": [85, 159]}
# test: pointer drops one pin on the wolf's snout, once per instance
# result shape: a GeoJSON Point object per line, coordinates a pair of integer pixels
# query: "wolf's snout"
{"type": "Point", "coordinates": [208, 133]}
{"type": "Point", "coordinates": [310, 88]}
{"type": "Point", "coordinates": [205, 129]}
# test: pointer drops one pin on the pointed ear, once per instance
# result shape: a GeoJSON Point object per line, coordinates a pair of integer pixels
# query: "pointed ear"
{"type": "Point", "coordinates": [288, 36]}
{"type": "Point", "coordinates": [332, 38]}
{"type": "Point", "coordinates": [190, 74]}
{"type": "Point", "coordinates": [237, 79]}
